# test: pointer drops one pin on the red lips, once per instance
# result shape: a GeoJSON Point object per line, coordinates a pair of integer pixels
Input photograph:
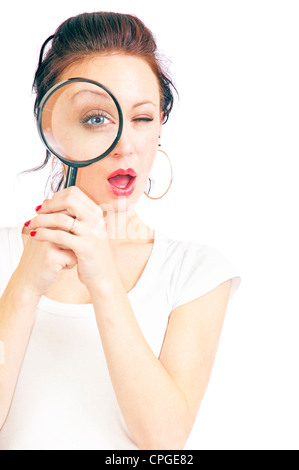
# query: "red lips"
{"type": "Point", "coordinates": [120, 171]}
{"type": "Point", "coordinates": [122, 182]}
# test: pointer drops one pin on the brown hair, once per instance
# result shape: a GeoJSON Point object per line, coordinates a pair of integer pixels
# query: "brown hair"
{"type": "Point", "coordinates": [91, 33]}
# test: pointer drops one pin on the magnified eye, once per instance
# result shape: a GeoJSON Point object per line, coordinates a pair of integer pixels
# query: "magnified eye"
{"type": "Point", "coordinates": [95, 120]}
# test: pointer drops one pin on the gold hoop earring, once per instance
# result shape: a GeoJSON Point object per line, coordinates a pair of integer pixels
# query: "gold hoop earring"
{"type": "Point", "coordinates": [171, 180]}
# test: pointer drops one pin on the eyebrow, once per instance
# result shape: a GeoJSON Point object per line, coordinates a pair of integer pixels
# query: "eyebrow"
{"type": "Point", "coordinates": [93, 92]}
{"type": "Point", "coordinates": [108, 98]}
{"type": "Point", "coordinates": [144, 102]}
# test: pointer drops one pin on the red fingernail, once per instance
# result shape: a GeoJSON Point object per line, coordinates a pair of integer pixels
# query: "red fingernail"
{"type": "Point", "coordinates": [27, 223]}
{"type": "Point", "coordinates": [33, 233]}
{"type": "Point", "coordinates": [38, 208]}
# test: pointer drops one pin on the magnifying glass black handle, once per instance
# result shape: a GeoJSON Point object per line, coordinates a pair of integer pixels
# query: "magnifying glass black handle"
{"type": "Point", "coordinates": [71, 176]}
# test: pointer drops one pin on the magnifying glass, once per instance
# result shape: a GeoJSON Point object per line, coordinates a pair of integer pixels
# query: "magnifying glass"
{"type": "Point", "coordinates": [80, 121]}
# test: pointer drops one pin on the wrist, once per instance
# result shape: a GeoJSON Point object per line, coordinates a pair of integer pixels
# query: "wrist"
{"type": "Point", "coordinates": [106, 288]}
{"type": "Point", "coordinates": [18, 305]}
{"type": "Point", "coordinates": [21, 294]}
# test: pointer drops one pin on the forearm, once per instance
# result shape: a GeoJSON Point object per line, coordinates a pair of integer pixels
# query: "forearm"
{"type": "Point", "coordinates": [17, 313]}
{"type": "Point", "coordinates": [154, 408]}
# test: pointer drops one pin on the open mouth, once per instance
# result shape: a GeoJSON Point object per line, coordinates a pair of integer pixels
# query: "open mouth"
{"type": "Point", "coordinates": [122, 182]}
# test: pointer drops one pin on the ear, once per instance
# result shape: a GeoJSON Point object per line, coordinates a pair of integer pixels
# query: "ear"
{"type": "Point", "coordinates": [161, 123]}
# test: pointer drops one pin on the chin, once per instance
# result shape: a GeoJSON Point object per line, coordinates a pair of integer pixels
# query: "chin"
{"type": "Point", "coordinates": [118, 204]}
{"type": "Point", "coordinates": [112, 203]}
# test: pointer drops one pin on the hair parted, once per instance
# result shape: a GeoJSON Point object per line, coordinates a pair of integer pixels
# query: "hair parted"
{"type": "Point", "coordinates": [99, 32]}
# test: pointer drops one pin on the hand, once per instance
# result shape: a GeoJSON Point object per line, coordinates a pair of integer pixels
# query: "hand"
{"type": "Point", "coordinates": [87, 242]}
{"type": "Point", "coordinates": [40, 266]}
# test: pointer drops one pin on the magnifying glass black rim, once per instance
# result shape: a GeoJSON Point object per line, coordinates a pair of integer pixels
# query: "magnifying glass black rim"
{"type": "Point", "coordinates": [80, 163]}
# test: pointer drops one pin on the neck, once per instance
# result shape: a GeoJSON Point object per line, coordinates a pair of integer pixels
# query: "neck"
{"type": "Point", "coordinates": [126, 227]}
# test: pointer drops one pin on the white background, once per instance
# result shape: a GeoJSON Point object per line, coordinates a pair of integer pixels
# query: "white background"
{"type": "Point", "coordinates": [233, 142]}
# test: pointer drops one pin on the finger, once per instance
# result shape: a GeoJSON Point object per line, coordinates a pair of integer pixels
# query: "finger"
{"type": "Point", "coordinates": [70, 260]}
{"type": "Point", "coordinates": [72, 200]}
{"type": "Point", "coordinates": [59, 221]}
{"type": "Point", "coordinates": [60, 238]}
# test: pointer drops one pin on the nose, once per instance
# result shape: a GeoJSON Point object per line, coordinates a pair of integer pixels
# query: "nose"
{"type": "Point", "coordinates": [124, 146]}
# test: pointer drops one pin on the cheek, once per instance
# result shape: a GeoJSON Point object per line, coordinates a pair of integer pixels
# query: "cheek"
{"type": "Point", "coordinates": [146, 146]}
{"type": "Point", "coordinates": [151, 159]}
{"type": "Point", "coordinates": [146, 155]}
{"type": "Point", "coordinates": [88, 179]}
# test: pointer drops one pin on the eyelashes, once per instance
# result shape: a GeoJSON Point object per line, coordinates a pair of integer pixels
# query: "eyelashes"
{"type": "Point", "coordinates": [98, 118]}
{"type": "Point", "coordinates": [143, 119]}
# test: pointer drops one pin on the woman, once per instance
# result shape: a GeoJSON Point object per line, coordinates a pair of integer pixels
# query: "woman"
{"type": "Point", "coordinates": [109, 340]}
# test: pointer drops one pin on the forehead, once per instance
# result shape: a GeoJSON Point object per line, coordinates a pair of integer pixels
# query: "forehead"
{"type": "Point", "coordinates": [130, 78]}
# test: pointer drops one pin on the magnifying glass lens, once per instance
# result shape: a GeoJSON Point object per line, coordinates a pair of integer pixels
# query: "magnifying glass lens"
{"type": "Point", "coordinates": [80, 121]}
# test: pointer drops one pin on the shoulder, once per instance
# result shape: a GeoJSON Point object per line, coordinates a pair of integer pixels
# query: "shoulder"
{"type": "Point", "coordinates": [5, 234]}
{"type": "Point", "coordinates": [188, 256]}
{"type": "Point", "coordinates": [11, 246]}
{"type": "Point", "coordinates": [195, 269]}
{"type": "Point", "coordinates": [10, 234]}
{"type": "Point", "coordinates": [10, 252]}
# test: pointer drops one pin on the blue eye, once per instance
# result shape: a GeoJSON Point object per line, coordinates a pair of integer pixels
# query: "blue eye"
{"type": "Point", "coordinates": [95, 119]}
